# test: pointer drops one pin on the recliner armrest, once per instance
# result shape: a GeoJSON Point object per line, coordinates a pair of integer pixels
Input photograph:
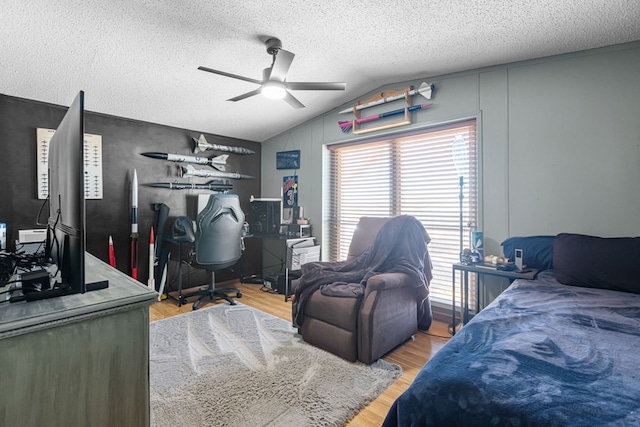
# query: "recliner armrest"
{"type": "Point", "coordinates": [387, 315]}
{"type": "Point", "coordinates": [388, 281]}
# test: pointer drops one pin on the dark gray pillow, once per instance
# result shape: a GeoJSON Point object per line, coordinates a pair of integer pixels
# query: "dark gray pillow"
{"type": "Point", "coordinates": [597, 262]}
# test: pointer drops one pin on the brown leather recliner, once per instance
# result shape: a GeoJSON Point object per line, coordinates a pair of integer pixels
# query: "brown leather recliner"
{"type": "Point", "coordinates": [366, 327]}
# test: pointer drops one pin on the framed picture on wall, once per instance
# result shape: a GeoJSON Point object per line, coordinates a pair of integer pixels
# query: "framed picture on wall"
{"type": "Point", "coordinates": [289, 191]}
{"type": "Point", "coordinates": [288, 159]}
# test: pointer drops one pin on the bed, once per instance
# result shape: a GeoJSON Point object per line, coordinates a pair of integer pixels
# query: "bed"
{"type": "Point", "coordinates": [563, 349]}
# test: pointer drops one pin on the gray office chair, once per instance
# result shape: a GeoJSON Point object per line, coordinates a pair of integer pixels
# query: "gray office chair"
{"type": "Point", "coordinates": [217, 244]}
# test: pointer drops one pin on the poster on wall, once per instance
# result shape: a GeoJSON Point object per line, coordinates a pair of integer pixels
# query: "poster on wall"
{"type": "Point", "coordinates": [92, 164]}
{"type": "Point", "coordinates": [288, 159]}
{"type": "Point", "coordinates": [289, 191]}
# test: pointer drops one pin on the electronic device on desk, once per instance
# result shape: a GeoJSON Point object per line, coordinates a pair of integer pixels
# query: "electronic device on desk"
{"type": "Point", "coordinates": [264, 216]}
{"type": "Point", "coordinates": [519, 255]}
{"type": "Point", "coordinates": [65, 242]}
{"type": "Point", "coordinates": [21, 273]}
{"type": "Point", "coordinates": [203, 200]}
{"type": "Point", "coordinates": [32, 242]}
{"type": "Point", "coordinates": [510, 266]}
{"type": "Point", "coordinates": [519, 262]}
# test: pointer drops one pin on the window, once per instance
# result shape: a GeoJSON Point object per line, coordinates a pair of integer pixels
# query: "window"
{"type": "Point", "coordinates": [410, 174]}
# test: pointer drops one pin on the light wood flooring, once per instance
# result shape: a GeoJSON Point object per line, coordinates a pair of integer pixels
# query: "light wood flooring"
{"type": "Point", "coordinates": [411, 356]}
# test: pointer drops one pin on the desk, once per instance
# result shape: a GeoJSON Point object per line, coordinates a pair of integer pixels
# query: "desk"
{"type": "Point", "coordinates": [297, 251]}
{"type": "Point", "coordinates": [80, 359]}
{"type": "Point", "coordinates": [257, 276]}
{"type": "Point", "coordinates": [479, 270]}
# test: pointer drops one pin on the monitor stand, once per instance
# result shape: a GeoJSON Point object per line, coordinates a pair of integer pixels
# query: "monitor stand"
{"type": "Point", "coordinates": [62, 290]}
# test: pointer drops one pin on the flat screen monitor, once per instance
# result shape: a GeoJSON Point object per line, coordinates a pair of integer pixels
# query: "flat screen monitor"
{"type": "Point", "coordinates": [66, 223]}
{"type": "Point", "coordinates": [66, 240]}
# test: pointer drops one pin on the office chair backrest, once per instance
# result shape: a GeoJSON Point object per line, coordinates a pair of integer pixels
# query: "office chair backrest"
{"type": "Point", "coordinates": [219, 231]}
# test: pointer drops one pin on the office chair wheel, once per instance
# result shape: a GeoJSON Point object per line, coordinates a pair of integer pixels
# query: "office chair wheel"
{"type": "Point", "coordinates": [238, 295]}
{"type": "Point", "coordinates": [196, 304]}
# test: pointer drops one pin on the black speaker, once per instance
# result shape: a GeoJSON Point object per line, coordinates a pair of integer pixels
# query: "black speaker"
{"type": "Point", "coordinates": [284, 288]}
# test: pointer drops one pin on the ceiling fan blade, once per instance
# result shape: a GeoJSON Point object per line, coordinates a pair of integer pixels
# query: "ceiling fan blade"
{"type": "Point", "coordinates": [281, 65]}
{"type": "Point", "coordinates": [315, 86]}
{"type": "Point", "coordinates": [233, 76]}
{"type": "Point", "coordinates": [245, 95]}
{"type": "Point", "coordinates": [293, 101]}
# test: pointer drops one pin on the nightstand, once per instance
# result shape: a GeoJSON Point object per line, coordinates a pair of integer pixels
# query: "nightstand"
{"type": "Point", "coordinates": [479, 270]}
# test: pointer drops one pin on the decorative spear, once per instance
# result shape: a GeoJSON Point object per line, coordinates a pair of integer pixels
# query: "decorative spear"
{"type": "Point", "coordinates": [425, 90]}
{"type": "Point", "coordinates": [347, 125]}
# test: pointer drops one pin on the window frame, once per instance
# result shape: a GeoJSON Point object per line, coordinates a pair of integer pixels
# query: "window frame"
{"type": "Point", "coordinates": [472, 183]}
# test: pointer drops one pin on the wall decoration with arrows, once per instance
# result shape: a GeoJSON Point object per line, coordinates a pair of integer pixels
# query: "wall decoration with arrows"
{"type": "Point", "coordinates": [93, 182]}
{"type": "Point", "coordinates": [381, 98]}
{"type": "Point", "coordinates": [346, 126]}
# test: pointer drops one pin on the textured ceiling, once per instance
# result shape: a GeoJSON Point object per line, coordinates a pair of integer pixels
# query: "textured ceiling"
{"type": "Point", "coordinates": [139, 58]}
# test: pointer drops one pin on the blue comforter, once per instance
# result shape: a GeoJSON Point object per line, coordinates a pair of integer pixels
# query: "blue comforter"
{"type": "Point", "coordinates": [541, 354]}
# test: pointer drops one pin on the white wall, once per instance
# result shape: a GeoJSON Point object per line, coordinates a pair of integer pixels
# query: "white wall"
{"type": "Point", "coordinates": [559, 138]}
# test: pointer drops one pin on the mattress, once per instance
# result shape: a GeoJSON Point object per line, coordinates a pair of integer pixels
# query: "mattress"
{"type": "Point", "coordinates": [542, 353]}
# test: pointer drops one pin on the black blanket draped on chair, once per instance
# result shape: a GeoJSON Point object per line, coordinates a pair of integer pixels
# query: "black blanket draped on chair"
{"type": "Point", "coordinates": [399, 247]}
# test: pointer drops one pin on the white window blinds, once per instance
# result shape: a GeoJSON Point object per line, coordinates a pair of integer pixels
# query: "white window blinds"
{"type": "Point", "coordinates": [410, 174]}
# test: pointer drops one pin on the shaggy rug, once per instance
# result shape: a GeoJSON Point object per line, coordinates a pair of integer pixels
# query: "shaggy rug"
{"type": "Point", "coordinates": [237, 366]}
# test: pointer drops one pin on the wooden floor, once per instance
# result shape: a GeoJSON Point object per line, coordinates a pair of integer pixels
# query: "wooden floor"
{"type": "Point", "coordinates": [411, 356]}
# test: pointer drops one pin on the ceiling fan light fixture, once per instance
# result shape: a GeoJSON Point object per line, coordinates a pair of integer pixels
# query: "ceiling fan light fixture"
{"type": "Point", "coordinates": [273, 90]}
{"type": "Point", "coordinates": [274, 83]}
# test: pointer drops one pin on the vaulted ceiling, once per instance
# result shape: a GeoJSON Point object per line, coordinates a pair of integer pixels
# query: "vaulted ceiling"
{"type": "Point", "coordinates": [139, 58]}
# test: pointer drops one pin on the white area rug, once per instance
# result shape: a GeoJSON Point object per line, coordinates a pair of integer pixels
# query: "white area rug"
{"type": "Point", "coordinates": [237, 366]}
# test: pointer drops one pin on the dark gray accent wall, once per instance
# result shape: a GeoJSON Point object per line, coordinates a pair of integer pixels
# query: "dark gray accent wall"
{"type": "Point", "coordinates": [122, 142]}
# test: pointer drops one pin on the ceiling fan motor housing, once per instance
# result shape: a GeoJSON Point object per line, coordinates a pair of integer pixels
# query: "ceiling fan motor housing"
{"type": "Point", "coordinates": [273, 45]}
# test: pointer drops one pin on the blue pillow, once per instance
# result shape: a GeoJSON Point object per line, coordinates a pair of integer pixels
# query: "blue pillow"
{"type": "Point", "coordinates": [537, 251]}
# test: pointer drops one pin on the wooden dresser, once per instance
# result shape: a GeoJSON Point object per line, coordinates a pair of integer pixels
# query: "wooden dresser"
{"type": "Point", "coordinates": [78, 360]}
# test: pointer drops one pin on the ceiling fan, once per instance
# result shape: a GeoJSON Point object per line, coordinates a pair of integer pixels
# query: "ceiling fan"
{"type": "Point", "coordinates": [273, 84]}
